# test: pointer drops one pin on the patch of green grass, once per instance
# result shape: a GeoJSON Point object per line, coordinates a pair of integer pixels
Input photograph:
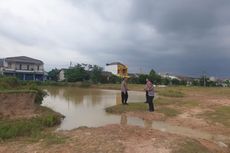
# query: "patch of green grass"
{"type": "Point", "coordinates": [18, 91]}
{"type": "Point", "coordinates": [171, 93]}
{"type": "Point", "coordinates": [13, 129]}
{"type": "Point", "coordinates": [220, 115]}
{"type": "Point", "coordinates": [118, 109]}
{"type": "Point", "coordinates": [191, 146]}
{"type": "Point", "coordinates": [175, 101]}
{"type": "Point", "coordinates": [51, 139]}
{"type": "Point", "coordinates": [28, 127]}
{"type": "Point", "coordinates": [141, 106]}
{"type": "Point", "coordinates": [169, 112]}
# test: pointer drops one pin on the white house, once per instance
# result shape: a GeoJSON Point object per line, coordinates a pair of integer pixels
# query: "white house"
{"type": "Point", "coordinates": [22, 67]}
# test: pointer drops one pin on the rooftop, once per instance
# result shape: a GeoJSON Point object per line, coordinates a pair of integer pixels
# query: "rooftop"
{"type": "Point", "coordinates": [23, 59]}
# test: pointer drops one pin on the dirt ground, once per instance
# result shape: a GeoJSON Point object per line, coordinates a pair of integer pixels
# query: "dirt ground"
{"type": "Point", "coordinates": [118, 138]}
{"type": "Point", "coordinates": [109, 139]}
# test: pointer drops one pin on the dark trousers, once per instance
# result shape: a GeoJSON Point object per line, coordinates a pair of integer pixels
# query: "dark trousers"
{"type": "Point", "coordinates": [146, 95]}
{"type": "Point", "coordinates": [151, 105]}
{"type": "Point", "coordinates": [124, 97]}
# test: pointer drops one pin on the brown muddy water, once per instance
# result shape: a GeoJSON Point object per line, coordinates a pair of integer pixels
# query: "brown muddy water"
{"type": "Point", "coordinates": [86, 107]}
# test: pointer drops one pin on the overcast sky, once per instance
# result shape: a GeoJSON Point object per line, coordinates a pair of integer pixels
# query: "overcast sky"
{"type": "Point", "coordinates": [177, 36]}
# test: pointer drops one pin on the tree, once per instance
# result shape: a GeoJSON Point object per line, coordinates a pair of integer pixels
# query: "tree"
{"type": "Point", "coordinates": [95, 74]}
{"type": "Point", "coordinates": [77, 73]}
{"type": "Point", "coordinates": [53, 74]}
{"type": "Point", "coordinates": [142, 78]}
{"type": "Point", "coordinates": [154, 77]}
{"type": "Point", "coordinates": [175, 82]}
{"type": "Point", "coordinates": [165, 81]}
{"type": "Point", "coordinates": [196, 82]}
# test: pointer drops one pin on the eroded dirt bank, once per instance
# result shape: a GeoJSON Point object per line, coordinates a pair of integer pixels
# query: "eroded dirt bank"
{"type": "Point", "coordinates": [16, 105]}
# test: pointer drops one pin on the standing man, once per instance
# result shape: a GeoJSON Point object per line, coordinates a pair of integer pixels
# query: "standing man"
{"type": "Point", "coordinates": [146, 92]}
{"type": "Point", "coordinates": [124, 91]}
{"type": "Point", "coordinates": [150, 89]}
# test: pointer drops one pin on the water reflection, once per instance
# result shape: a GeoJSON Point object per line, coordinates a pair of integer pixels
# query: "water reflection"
{"type": "Point", "coordinates": [135, 121]}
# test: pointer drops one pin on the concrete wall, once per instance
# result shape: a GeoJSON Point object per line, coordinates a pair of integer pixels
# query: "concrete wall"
{"type": "Point", "coordinates": [16, 105]}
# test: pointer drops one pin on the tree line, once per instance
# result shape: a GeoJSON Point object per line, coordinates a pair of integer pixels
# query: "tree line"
{"type": "Point", "coordinates": [95, 74]}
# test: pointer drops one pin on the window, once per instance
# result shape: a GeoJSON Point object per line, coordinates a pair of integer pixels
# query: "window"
{"type": "Point", "coordinates": [20, 66]}
{"type": "Point", "coordinates": [38, 67]}
{"type": "Point", "coordinates": [28, 67]}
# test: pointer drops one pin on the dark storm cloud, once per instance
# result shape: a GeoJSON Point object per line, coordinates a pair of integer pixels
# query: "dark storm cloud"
{"type": "Point", "coordinates": [176, 36]}
{"type": "Point", "coordinates": [192, 40]}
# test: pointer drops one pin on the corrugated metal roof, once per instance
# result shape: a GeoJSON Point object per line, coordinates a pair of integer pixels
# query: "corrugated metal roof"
{"type": "Point", "coordinates": [23, 59]}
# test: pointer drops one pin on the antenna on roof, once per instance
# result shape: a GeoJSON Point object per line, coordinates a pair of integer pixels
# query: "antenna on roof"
{"type": "Point", "coordinates": [70, 64]}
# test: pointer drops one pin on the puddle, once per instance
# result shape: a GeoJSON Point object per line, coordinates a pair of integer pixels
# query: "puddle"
{"type": "Point", "coordinates": [165, 127]}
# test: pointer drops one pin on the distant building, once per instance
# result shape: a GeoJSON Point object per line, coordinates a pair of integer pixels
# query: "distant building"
{"type": "Point", "coordinates": [212, 79]}
{"type": "Point", "coordinates": [22, 67]}
{"type": "Point", "coordinates": [167, 75]}
{"type": "Point", "coordinates": [117, 68]}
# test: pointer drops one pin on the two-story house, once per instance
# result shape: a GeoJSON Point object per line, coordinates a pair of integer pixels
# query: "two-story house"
{"type": "Point", "coordinates": [22, 67]}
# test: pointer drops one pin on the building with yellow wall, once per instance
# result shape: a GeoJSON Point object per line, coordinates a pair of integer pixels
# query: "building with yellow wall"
{"type": "Point", "coordinates": [117, 68]}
